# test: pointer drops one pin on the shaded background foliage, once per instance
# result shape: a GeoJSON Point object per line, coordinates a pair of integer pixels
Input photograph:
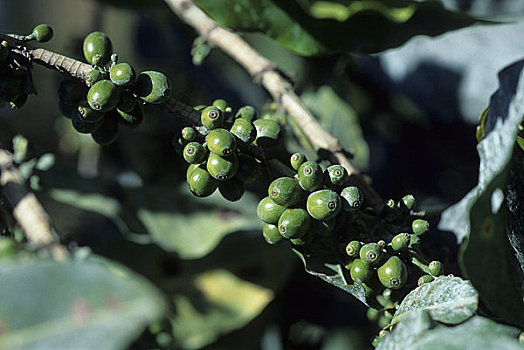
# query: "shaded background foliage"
{"type": "Point", "coordinates": [408, 114]}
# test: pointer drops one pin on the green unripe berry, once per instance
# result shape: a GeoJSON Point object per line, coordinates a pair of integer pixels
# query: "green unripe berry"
{"type": "Point", "coordinates": [194, 153]}
{"type": "Point", "coordinates": [189, 171]}
{"type": "Point", "coordinates": [82, 126]}
{"type": "Point", "coordinates": [267, 133]}
{"type": "Point", "coordinates": [409, 201]}
{"type": "Point", "coordinates": [189, 133]}
{"type": "Point", "coordinates": [323, 204]}
{"type": "Point", "coordinates": [371, 253]}
{"type": "Point", "coordinates": [389, 205]}
{"type": "Point", "coordinates": [310, 176]}
{"type": "Point", "coordinates": [122, 74]}
{"type": "Point", "coordinates": [97, 48]}
{"type": "Point", "coordinates": [425, 279]}
{"type": "Point", "coordinates": [400, 241]}
{"type": "Point", "coordinates": [285, 191]}
{"type": "Point", "coordinates": [419, 226]}
{"type": "Point", "coordinates": [222, 168]}
{"type": "Point", "coordinates": [131, 119]}
{"type": "Point", "coordinates": [249, 170]}
{"type": "Point", "coordinates": [107, 132]}
{"type": "Point", "coordinates": [88, 114]}
{"type": "Point", "coordinates": [393, 274]}
{"type": "Point", "coordinates": [360, 271]}
{"type": "Point", "coordinates": [244, 130]}
{"type": "Point", "coordinates": [103, 96]}
{"type": "Point", "coordinates": [268, 211]}
{"type": "Point", "coordinates": [201, 183]}
{"type": "Point", "coordinates": [351, 198]}
{"type": "Point", "coordinates": [353, 248]}
{"type": "Point", "coordinates": [271, 234]}
{"type": "Point", "coordinates": [152, 87]}
{"type": "Point", "coordinates": [41, 33]}
{"type": "Point", "coordinates": [435, 268]}
{"type": "Point", "coordinates": [220, 104]}
{"type": "Point", "coordinates": [232, 190]}
{"type": "Point", "coordinates": [294, 223]}
{"type": "Point", "coordinates": [212, 117]}
{"type": "Point", "coordinates": [93, 76]}
{"type": "Point", "coordinates": [247, 112]}
{"type": "Point", "coordinates": [336, 175]}
{"type": "Point", "coordinates": [296, 160]}
{"type": "Point", "coordinates": [221, 142]}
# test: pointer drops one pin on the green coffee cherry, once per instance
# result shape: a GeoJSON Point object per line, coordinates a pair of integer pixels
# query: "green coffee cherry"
{"type": "Point", "coordinates": [400, 241]}
{"type": "Point", "coordinates": [107, 132]}
{"type": "Point", "coordinates": [408, 201]}
{"type": "Point", "coordinates": [419, 226]}
{"type": "Point", "coordinates": [336, 175]}
{"type": "Point", "coordinates": [285, 191]}
{"type": "Point", "coordinates": [247, 112]}
{"type": "Point", "coordinates": [435, 268]}
{"type": "Point", "coordinates": [371, 253]}
{"type": "Point", "coordinates": [351, 198]}
{"type": "Point", "coordinates": [4, 51]}
{"type": "Point", "coordinates": [88, 114]}
{"type": "Point", "coordinates": [297, 159]}
{"type": "Point", "coordinates": [221, 142]}
{"type": "Point", "coordinates": [425, 279]}
{"type": "Point", "coordinates": [82, 126]}
{"type": "Point", "coordinates": [268, 211]}
{"type": "Point", "coordinates": [244, 130]}
{"type": "Point", "coordinates": [189, 170]}
{"type": "Point", "coordinates": [232, 190]}
{"type": "Point", "coordinates": [310, 176]}
{"type": "Point", "coordinates": [212, 117]}
{"type": "Point", "coordinates": [393, 274]}
{"type": "Point", "coordinates": [220, 104]}
{"type": "Point", "coordinates": [353, 248]}
{"type": "Point", "coordinates": [323, 204]}
{"type": "Point", "coordinates": [271, 234]}
{"type": "Point", "coordinates": [103, 96]}
{"type": "Point", "coordinates": [93, 76]}
{"type": "Point", "coordinates": [267, 133]}
{"type": "Point", "coordinates": [97, 48]}
{"type": "Point", "coordinates": [360, 271]}
{"type": "Point", "coordinates": [222, 168]}
{"type": "Point", "coordinates": [152, 87]}
{"type": "Point", "coordinates": [41, 33]}
{"type": "Point", "coordinates": [294, 223]}
{"type": "Point", "coordinates": [249, 170]}
{"type": "Point", "coordinates": [122, 74]}
{"type": "Point", "coordinates": [194, 153]}
{"type": "Point", "coordinates": [201, 183]}
{"type": "Point", "coordinates": [189, 133]}
{"type": "Point", "coordinates": [131, 119]}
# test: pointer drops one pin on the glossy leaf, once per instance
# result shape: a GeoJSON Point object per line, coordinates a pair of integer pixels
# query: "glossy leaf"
{"type": "Point", "coordinates": [73, 305]}
{"type": "Point", "coordinates": [449, 300]}
{"type": "Point", "coordinates": [215, 302]}
{"type": "Point", "coordinates": [368, 26]}
{"type": "Point", "coordinates": [340, 120]}
{"type": "Point", "coordinates": [481, 218]}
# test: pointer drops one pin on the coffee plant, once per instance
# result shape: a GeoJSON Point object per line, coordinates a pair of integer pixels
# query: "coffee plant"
{"type": "Point", "coordinates": [155, 196]}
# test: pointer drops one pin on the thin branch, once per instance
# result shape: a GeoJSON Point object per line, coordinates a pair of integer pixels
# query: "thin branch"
{"type": "Point", "coordinates": [27, 211]}
{"type": "Point", "coordinates": [265, 71]}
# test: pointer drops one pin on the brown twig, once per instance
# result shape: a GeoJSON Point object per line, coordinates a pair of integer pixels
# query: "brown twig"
{"type": "Point", "coordinates": [27, 211]}
{"type": "Point", "coordinates": [265, 71]}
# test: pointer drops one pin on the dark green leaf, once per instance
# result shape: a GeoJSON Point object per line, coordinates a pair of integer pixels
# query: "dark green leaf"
{"type": "Point", "coordinates": [359, 27]}
{"type": "Point", "coordinates": [81, 304]}
{"type": "Point", "coordinates": [448, 300]}
{"type": "Point", "coordinates": [480, 219]}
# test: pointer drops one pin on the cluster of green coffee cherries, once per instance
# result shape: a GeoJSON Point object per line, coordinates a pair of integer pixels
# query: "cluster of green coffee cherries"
{"type": "Point", "coordinates": [16, 82]}
{"type": "Point", "coordinates": [312, 203]}
{"type": "Point", "coordinates": [214, 150]}
{"type": "Point", "coordinates": [112, 95]}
